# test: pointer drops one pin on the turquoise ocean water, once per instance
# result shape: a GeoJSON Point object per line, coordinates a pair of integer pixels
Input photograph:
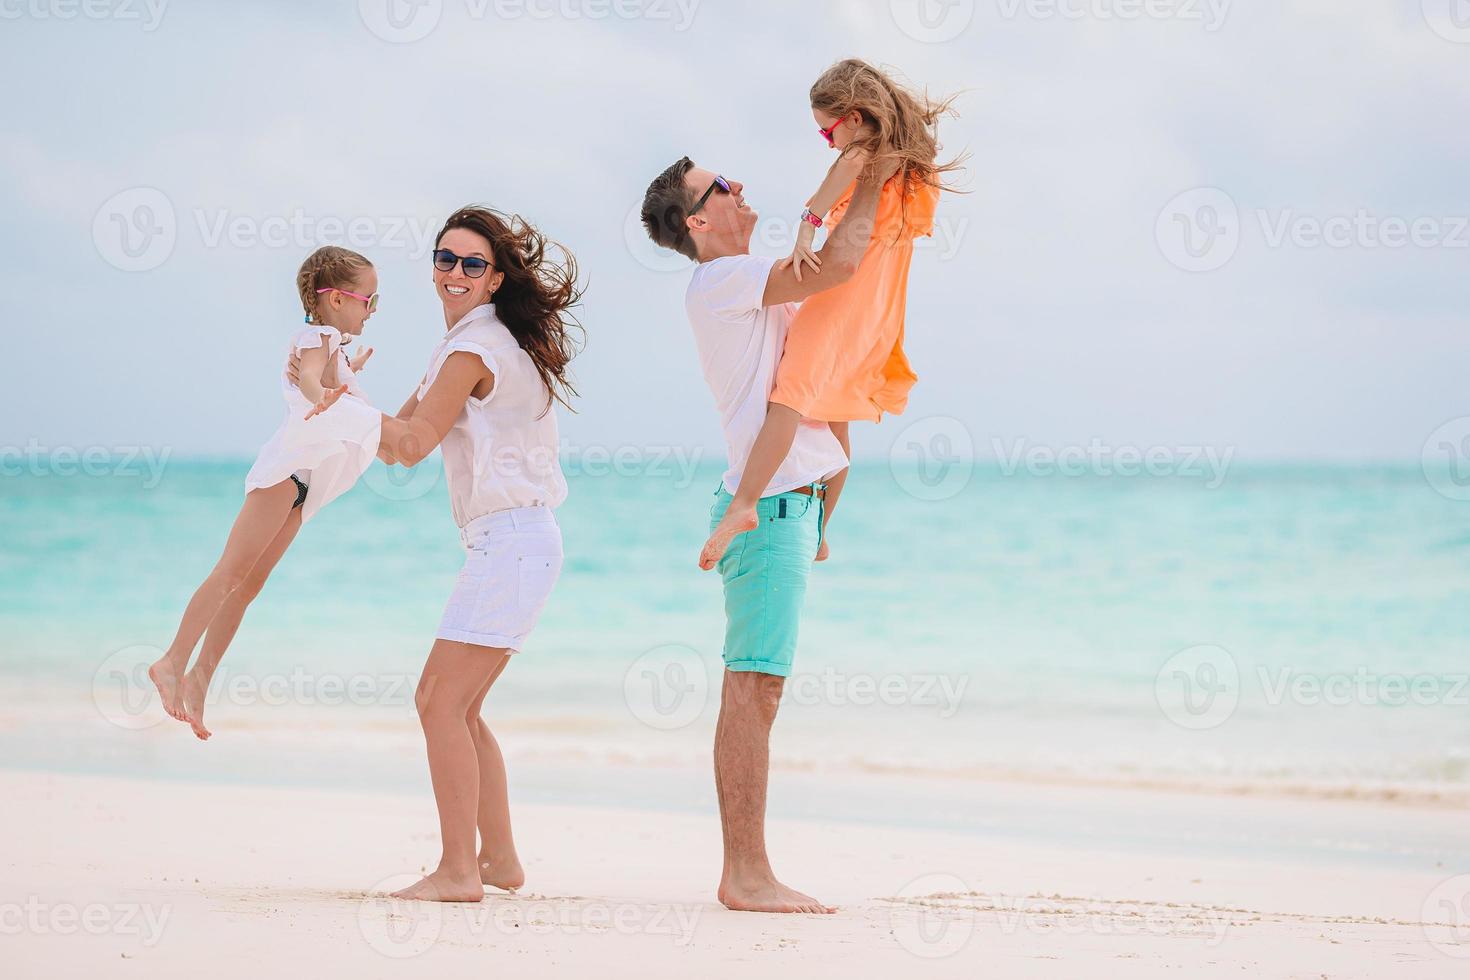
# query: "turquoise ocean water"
{"type": "Point", "coordinates": [1297, 628]}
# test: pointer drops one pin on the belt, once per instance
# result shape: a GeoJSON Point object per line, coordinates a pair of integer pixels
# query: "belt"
{"type": "Point", "coordinates": [818, 490]}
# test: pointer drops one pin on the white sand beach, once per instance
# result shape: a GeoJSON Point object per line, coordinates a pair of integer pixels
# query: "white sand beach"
{"type": "Point", "coordinates": [120, 877]}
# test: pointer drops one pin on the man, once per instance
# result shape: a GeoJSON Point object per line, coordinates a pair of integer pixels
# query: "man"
{"type": "Point", "coordinates": [739, 306]}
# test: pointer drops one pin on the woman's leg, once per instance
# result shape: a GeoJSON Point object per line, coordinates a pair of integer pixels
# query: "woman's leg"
{"type": "Point", "coordinates": [225, 622]}
{"type": "Point", "coordinates": [260, 519]}
{"type": "Point", "coordinates": [500, 866]}
{"type": "Point", "coordinates": [453, 678]}
{"type": "Point", "coordinates": [771, 447]}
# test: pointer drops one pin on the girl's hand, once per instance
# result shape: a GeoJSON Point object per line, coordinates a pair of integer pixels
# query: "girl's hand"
{"type": "Point", "coordinates": [359, 360]}
{"type": "Point", "coordinates": [801, 253]}
{"type": "Point", "coordinates": [328, 399]}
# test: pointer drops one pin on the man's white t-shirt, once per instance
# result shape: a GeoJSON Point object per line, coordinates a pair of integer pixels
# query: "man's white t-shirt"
{"type": "Point", "coordinates": [740, 343]}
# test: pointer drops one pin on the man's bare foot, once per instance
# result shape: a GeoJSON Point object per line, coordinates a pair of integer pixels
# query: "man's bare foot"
{"type": "Point", "coordinates": [196, 687]}
{"type": "Point", "coordinates": [165, 677]}
{"type": "Point", "coordinates": [443, 887]}
{"type": "Point", "coordinates": [767, 895]}
{"type": "Point", "coordinates": [504, 873]}
{"type": "Point", "coordinates": [737, 520]}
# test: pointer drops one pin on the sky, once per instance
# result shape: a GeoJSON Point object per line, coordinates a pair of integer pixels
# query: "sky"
{"type": "Point", "coordinates": [1184, 223]}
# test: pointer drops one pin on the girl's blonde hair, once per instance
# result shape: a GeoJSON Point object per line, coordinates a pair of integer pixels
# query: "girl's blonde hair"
{"type": "Point", "coordinates": [904, 123]}
{"type": "Point", "coordinates": [330, 266]}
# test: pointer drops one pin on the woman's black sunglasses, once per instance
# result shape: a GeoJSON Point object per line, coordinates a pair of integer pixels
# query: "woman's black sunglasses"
{"type": "Point", "coordinates": [444, 261]}
{"type": "Point", "coordinates": [721, 183]}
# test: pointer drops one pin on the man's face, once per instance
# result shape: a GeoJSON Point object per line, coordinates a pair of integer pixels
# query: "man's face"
{"type": "Point", "coordinates": [725, 218]}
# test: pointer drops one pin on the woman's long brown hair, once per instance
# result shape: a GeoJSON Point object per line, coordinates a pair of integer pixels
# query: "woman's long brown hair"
{"type": "Point", "coordinates": [535, 297]}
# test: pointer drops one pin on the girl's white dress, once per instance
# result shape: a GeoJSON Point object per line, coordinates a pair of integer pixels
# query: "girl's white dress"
{"type": "Point", "coordinates": [329, 451]}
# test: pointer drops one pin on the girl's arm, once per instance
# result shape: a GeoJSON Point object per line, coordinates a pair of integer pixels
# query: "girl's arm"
{"type": "Point", "coordinates": [846, 169]}
{"type": "Point", "coordinates": [409, 440]}
{"type": "Point", "coordinates": [309, 373]}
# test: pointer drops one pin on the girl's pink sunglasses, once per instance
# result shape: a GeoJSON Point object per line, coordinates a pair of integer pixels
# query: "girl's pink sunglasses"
{"type": "Point", "coordinates": [827, 133]}
{"type": "Point", "coordinates": [371, 301]}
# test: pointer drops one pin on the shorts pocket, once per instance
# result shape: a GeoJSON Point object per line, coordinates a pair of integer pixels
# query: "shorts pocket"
{"type": "Point", "coordinates": [536, 575]}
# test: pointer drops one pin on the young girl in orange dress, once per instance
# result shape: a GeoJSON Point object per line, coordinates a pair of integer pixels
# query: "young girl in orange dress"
{"type": "Point", "coordinates": [844, 359]}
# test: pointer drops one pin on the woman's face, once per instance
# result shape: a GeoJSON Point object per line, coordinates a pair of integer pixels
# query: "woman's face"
{"type": "Point", "coordinates": [458, 292]}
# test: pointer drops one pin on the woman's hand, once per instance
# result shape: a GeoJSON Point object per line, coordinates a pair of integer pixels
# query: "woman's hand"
{"type": "Point", "coordinates": [328, 399]}
{"type": "Point", "coordinates": [359, 360]}
{"type": "Point", "coordinates": [293, 368]}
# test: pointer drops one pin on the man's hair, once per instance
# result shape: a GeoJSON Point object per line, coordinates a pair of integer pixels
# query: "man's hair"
{"type": "Point", "coordinates": [666, 206]}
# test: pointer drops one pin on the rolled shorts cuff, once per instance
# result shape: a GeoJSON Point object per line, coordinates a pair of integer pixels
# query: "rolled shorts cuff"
{"type": "Point", "coordinates": [759, 667]}
{"type": "Point", "coordinates": [509, 644]}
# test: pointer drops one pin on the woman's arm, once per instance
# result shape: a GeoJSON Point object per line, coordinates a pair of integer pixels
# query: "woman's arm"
{"type": "Point", "coordinates": [409, 440]}
{"type": "Point", "coordinates": [405, 413]}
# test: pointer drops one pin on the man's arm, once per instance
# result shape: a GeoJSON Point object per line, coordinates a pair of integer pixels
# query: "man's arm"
{"type": "Point", "coordinates": [840, 254]}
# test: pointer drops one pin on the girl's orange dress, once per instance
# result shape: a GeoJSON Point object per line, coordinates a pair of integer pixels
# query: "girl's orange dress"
{"type": "Point", "coordinates": [844, 359]}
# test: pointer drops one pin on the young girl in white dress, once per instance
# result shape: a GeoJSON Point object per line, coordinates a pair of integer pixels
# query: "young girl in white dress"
{"type": "Point", "coordinates": [328, 439]}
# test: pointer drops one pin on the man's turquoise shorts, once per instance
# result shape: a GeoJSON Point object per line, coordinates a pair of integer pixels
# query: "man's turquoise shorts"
{"type": "Point", "coordinates": [765, 573]}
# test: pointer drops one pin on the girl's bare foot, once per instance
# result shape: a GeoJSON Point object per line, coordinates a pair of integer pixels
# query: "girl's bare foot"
{"type": "Point", "coordinates": [767, 895]}
{"type": "Point", "coordinates": [737, 520]}
{"type": "Point", "coordinates": [196, 687]}
{"type": "Point", "coordinates": [165, 677]}
{"type": "Point", "coordinates": [504, 873]}
{"type": "Point", "coordinates": [442, 886]}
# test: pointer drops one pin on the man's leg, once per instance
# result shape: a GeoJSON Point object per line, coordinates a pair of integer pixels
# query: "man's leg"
{"type": "Point", "coordinates": [748, 703]}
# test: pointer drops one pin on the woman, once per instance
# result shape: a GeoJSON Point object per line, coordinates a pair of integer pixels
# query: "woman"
{"type": "Point", "coordinates": [488, 399]}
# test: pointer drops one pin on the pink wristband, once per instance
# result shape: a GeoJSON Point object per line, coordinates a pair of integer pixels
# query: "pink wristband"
{"type": "Point", "coordinates": [809, 216]}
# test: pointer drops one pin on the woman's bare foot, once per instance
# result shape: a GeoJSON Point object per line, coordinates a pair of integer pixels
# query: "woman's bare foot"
{"type": "Point", "coordinates": [165, 677]}
{"type": "Point", "coordinates": [767, 895]}
{"type": "Point", "coordinates": [504, 873]}
{"type": "Point", "coordinates": [443, 887]}
{"type": "Point", "coordinates": [196, 687]}
{"type": "Point", "coordinates": [737, 520]}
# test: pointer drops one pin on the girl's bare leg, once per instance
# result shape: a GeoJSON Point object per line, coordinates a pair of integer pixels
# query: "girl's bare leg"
{"type": "Point", "coordinates": [834, 486]}
{"type": "Point", "coordinates": [453, 678]}
{"type": "Point", "coordinates": [225, 622]}
{"type": "Point", "coordinates": [770, 449]}
{"type": "Point", "coordinates": [500, 866]}
{"type": "Point", "coordinates": [260, 519]}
